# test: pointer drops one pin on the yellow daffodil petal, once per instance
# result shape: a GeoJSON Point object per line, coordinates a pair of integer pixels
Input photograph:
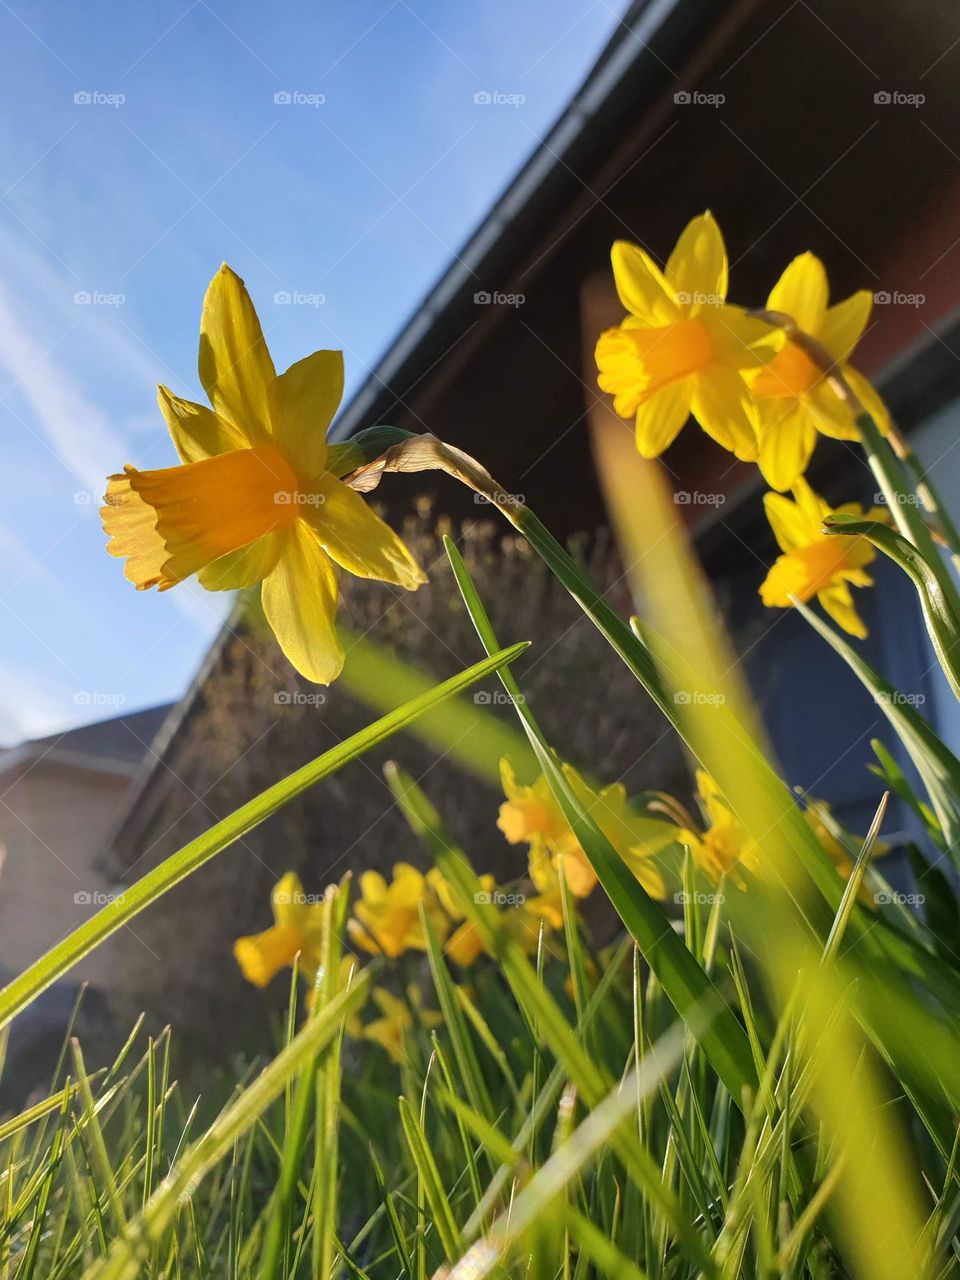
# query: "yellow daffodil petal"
{"type": "Point", "coordinates": [508, 778]}
{"type": "Point", "coordinates": [696, 271]}
{"type": "Point", "coordinates": [802, 293]}
{"type": "Point", "coordinates": [300, 602]}
{"type": "Point", "coordinates": [392, 1006]}
{"type": "Point", "coordinates": [288, 900]}
{"type": "Point", "coordinates": [641, 286]}
{"type": "Point", "coordinates": [869, 397]}
{"type": "Point", "coordinates": [811, 504]}
{"type": "Point", "coordinates": [235, 366]}
{"type": "Point", "coordinates": [373, 888]}
{"type": "Point", "coordinates": [361, 937]}
{"type": "Point", "coordinates": [303, 401]}
{"type": "Point", "coordinates": [197, 432]}
{"type": "Point", "coordinates": [830, 414]}
{"type": "Point", "coordinates": [130, 524]}
{"type": "Point", "coordinates": [577, 869]}
{"type": "Point", "coordinates": [649, 876]}
{"type": "Point", "coordinates": [466, 945]}
{"type": "Point", "coordinates": [787, 440]}
{"type": "Point", "coordinates": [843, 325]}
{"type": "Point", "coordinates": [242, 568]}
{"type": "Point", "coordinates": [262, 955]}
{"type": "Point", "coordinates": [740, 341]}
{"type": "Point", "coordinates": [204, 510]}
{"type": "Point", "coordinates": [791, 524]}
{"type": "Point", "coordinates": [786, 578]}
{"type": "Point", "coordinates": [660, 418]}
{"type": "Point", "coordinates": [722, 405]}
{"type": "Point", "coordinates": [408, 885]}
{"type": "Point", "coordinates": [355, 536]}
{"type": "Point", "coordinates": [838, 603]}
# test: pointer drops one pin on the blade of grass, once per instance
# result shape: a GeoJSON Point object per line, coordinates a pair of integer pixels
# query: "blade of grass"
{"type": "Point", "coordinates": [128, 1251]}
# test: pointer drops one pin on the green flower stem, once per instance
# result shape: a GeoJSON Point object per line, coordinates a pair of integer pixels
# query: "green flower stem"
{"type": "Point", "coordinates": [928, 493]}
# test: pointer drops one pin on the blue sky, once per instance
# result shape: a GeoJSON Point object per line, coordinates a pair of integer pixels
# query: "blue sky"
{"type": "Point", "coordinates": [141, 145]}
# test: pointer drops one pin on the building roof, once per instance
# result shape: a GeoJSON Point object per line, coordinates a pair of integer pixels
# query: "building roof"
{"type": "Point", "coordinates": [116, 745]}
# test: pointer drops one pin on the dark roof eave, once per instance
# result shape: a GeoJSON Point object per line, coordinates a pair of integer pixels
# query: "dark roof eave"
{"type": "Point", "coordinates": [538, 188]}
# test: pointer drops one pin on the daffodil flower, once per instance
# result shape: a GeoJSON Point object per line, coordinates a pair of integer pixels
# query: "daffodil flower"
{"type": "Point", "coordinates": [254, 501]}
{"type": "Point", "coordinates": [723, 848]}
{"type": "Point", "coordinates": [793, 396]}
{"type": "Point", "coordinates": [531, 815]}
{"type": "Point", "coordinates": [387, 916]}
{"type": "Point", "coordinates": [296, 930]}
{"type": "Point", "coordinates": [682, 349]}
{"type": "Point", "coordinates": [815, 563]}
{"type": "Point", "coordinates": [391, 1029]}
{"type": "Point", "coordinates": [817, 814]}
{"type": "Point", "coordinates": [465, 944]}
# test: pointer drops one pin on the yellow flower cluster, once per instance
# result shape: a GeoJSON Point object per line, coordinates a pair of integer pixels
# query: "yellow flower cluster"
{"type": "Point", "coordinates": [722, 848]}
{"type": "Point", "coordinates": [753, 385]}
{"type": "Point", "coordinates": [386, 918]}
{"type": "Point", "coordinates": [531, 815]}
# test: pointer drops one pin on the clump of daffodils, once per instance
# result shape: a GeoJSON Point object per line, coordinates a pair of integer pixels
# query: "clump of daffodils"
{"type": "Point", "coordinates": [764, 385]}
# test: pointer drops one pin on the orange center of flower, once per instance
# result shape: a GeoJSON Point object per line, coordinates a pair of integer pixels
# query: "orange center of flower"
{"type": "Point", "coordinates": [264, 955]}
{"type": "Point", "coordinates": [522, 818]}
{"type": "Point", "coordinates": [791, 374]}
{"type": "Point", "coordinates": [210, 508]}
{"type": "Point", "coordinates": [807, 570]}
{"type": "Point", "coordinates": [823, 561]}
{"type": "Point", "coordinates": [672, 353]}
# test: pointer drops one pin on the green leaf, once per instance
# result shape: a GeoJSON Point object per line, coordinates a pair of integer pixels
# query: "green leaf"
{"type": "Point", "coordinates": [937, 597]}
{"type": "Point", "coordinates": [443, 1218]}
{"type": "Point", "coordinates": [59, 959]}
{"type": "Point", "coordinates": [686, 984]}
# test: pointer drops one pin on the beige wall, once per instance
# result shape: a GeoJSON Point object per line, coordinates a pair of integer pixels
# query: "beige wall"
{"type": "Point", "coordinates": [54, 822]}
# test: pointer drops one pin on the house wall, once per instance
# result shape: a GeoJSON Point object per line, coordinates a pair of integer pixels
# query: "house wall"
{"type": "Point", "coordinates": [936, 444]}
{"type": "Point", "coordinates": [54, 822]}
